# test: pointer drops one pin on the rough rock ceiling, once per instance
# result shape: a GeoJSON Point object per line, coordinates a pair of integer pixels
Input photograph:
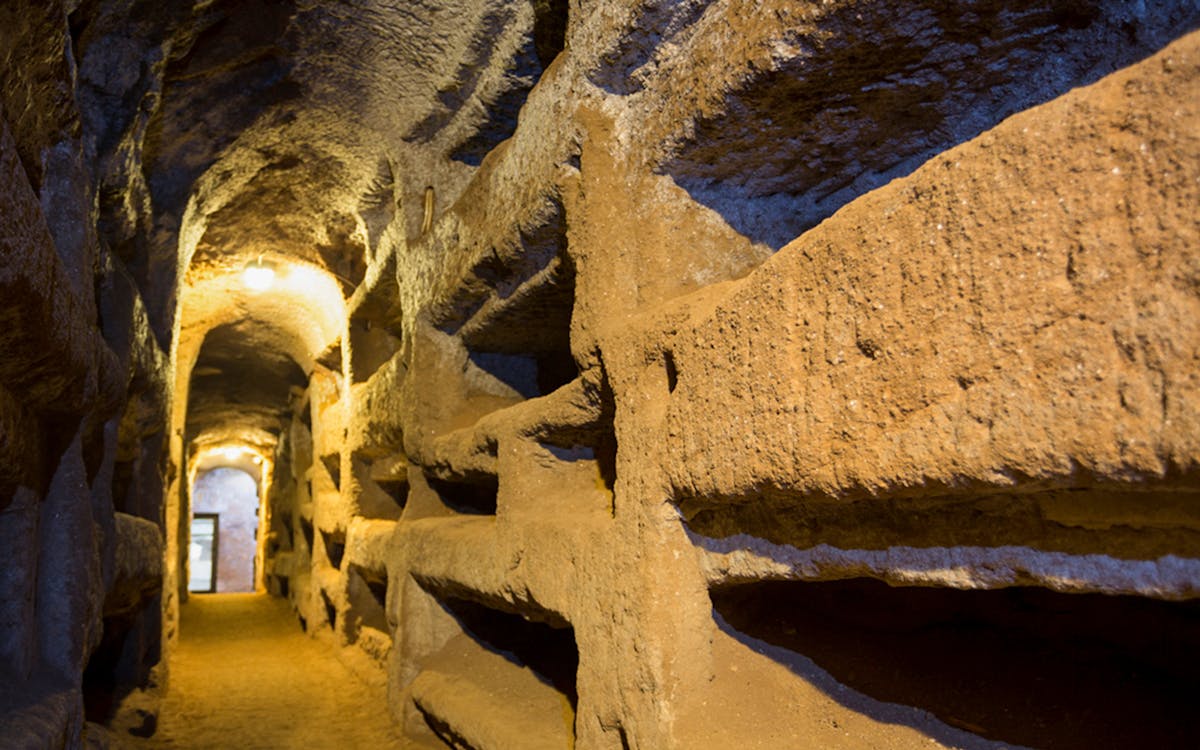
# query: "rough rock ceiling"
{"type": "Point", "coordinates": [226, 130]}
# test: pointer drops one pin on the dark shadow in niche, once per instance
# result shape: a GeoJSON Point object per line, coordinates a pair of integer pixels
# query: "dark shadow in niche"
{"type": "Point", "coordinates": [335, 547]}
{"type": "Point", "coordinates": [333, 464]}
{"type": "Point", "coordinates": [330, 610]}
{"type": "Point", "coordinates": [368, 597]}
{"type": "Point", "coordinates": [120, 663]}
{"type": "Point", "coordinates": [548, 651]}
{"type": "Point", "coordinates": [470, 498]}
{"type": "Point", "coordinates": [539, 259]}
{"type": "Point", "coordinates": [1021, 665]}
{"type": "Point", "coordinates": [524, 337]}
{"type": "Point", "coordinates": [306, 529]}
{"type": "Point", "coordinates": [516, 372]}
{"type": "Point", "coordinates": [384, 482]}
{"type": "Point", "coordinates": [282, 534]}
{"type": "Point", "coordinates": [886, 93]}
{"type": "Point", "coordinates": [549, 29]}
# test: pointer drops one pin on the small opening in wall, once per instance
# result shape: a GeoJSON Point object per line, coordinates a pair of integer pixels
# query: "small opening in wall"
{"type": "Point", "coordinates": [306, 529]}
{"type": "Point", "coordinates": [477, 498]}
{"type": "Point", "coordinates": [330, 610]}
{"type": "Point", "coordinates": [333, 464]}
{"type": "Point", "coordinates": [547, 650]}
{"type": "Point", "coordinates": [672, 371]}
{"type": "Point", "coordinates": [278, 586]}
{"type": "Point", "coordinates": [335, 547]}
{"type": "Point", "coordinates": [549, 29]}
{"type": "Point", "coordinates": [368, 597]}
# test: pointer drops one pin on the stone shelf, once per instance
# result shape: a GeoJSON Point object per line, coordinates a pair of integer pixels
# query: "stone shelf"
{"type": "Point", "coordinates": [572, 414]}
{"type": "Point", "coordinates": [741, 559]}
{"type": "Point", "coordinates": [377, 298]}
{"type": "Point", "coordinates": [499, 706]}
{"type": "Point", "coordinates": [469, 557]}
{"type": "Point", "coordinates": [503, 682]}
{"type": "Point", "coordinates": [532, 318]}
{"type": "Point", "coordinates": [1011, 666]}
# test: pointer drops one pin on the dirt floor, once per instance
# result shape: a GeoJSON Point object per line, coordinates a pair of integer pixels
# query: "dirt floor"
{"type": "Point", "coordinates": [246, 676]}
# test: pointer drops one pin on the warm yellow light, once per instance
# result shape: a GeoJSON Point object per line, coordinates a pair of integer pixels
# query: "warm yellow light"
{"type": "Point", "coordinates": [231, 453]}
{"type": "Point", "coordinates": [259, 276]}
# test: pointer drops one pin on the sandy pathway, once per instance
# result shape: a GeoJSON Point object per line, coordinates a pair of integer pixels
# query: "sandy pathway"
{"type": "Point", "coordinates": [245, 676]}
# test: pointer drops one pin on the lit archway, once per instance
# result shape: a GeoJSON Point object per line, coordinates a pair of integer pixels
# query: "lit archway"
{"type": "Point", "coordinates": [225, 528]}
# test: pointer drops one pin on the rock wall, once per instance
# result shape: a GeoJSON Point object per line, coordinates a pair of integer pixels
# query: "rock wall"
{"type": "Point", "coordinates": [795, 375]}
{"type": "Point", "coordinates": [83, 400]}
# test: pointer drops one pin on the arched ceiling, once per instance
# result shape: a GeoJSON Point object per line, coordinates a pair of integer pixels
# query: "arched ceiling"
{"type": "Point", "coordinates": [236, 127]}
{"type": "Point", "coordinates": [302, 131]}
{"type": "Point", "coordinates": [244, 352]}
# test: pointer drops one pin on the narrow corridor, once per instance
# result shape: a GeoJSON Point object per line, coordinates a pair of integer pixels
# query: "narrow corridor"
{"type": "Point", "coordinates": [608, 375]}
{"type": "Point", "coordinates": [246, 676]}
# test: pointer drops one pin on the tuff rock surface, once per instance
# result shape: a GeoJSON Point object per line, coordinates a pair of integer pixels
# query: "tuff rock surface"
{"type": "Point", "coordinates": [636, 374]}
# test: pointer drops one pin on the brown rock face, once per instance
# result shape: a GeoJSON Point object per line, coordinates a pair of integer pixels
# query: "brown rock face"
{"type": "Point", "coordinates": [641, 374]}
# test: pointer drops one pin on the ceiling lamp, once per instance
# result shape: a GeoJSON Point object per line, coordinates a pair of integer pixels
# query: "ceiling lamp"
{"type": "Point", "coordinates": [259, 275]}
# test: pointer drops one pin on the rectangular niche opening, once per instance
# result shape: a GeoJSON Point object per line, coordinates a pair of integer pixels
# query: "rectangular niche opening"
{"type": "Point", "coordinates": [371, 346]}
{"type": "Point", "coordinates": [306, 530]}
{"type": "Point", "coordinates": [474, 498]}
{"type": "Point", "coordinates": [278, 585]}
{"type": "Point", "coordinates": [335, 547]}
{"type": "Point", "coordinates": [368, 597]}
{"type": "Point", "coordinates": [282, 536]}
{"type": "Point", "coordinates": [333, 464]}
{"type": "Point", "coordinates": [505, 677]}
{"type": "Point", "coordinates": [513, 310]}
{"type": "Point", "coordinates": [330, 610]}
{"type": "Point", "coordinates": [383, 481]}
{"type": "Point", "coordinates": [522, 335]}
{"type": "Point", "coordinates": [1021, 665]}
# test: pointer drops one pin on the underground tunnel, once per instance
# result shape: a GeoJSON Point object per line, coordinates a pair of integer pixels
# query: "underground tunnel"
{"type": "Point", "coordinates": [638, 374]}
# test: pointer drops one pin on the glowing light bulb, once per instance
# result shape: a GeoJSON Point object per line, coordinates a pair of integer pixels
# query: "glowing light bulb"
{"type": "Point", "coordinates": [259, 276]}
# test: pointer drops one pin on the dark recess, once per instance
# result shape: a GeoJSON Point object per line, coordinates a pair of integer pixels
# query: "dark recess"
{"type": "Point", "coordinates": [470, 498]}
{"type": "Point", "coordinates": [121, 662]}
{"type": "Point", "coordinates": [330, 610]}
{"type": "Point", "coordinates": [549, 29]}
{"type": "Point", "coordinates": [1021, 665]}
{"type": "Point", "coordinates": [333, 464]}
{"type": "Point", "coordinates": [550, 652]}
{"type": "Point", "coordinates": [396, 489]}
{"type": "Point", "coordinates": [368, 597]}
{"type": "Point", "coordinates": [306, 528]}
{"type": "Point", "coordinates": [672, 371]}
{"type": "Point", "coordinates": [335, 547]}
